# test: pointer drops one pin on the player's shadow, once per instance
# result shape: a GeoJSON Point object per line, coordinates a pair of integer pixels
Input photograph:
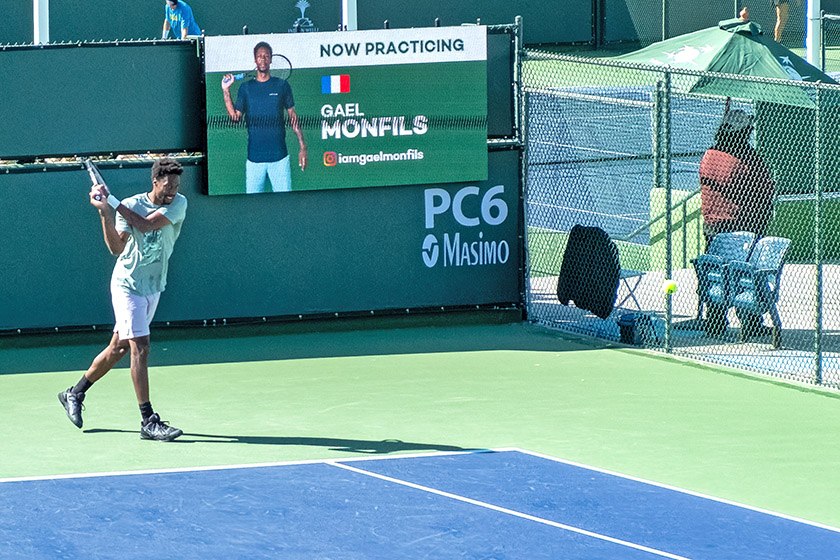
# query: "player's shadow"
{"type": "Point", "coordinates": [380, 447]}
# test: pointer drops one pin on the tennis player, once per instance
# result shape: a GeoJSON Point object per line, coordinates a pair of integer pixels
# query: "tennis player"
{"type": "Point", "coordinates": [142, 232]}
{"type": "Point", "coordinates": [262, 100]}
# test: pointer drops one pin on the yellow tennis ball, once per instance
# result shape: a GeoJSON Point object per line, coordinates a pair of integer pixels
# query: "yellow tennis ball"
{"type": "Point", "coordinates": [669, 287]}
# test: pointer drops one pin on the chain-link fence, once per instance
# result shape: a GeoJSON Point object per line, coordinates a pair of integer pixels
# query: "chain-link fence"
{"type": "Point", "coordinates": [725, 188]}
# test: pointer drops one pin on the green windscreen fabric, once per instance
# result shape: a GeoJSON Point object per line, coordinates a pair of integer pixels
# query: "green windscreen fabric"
{"type": "Point", "coordinates": [102, 98]}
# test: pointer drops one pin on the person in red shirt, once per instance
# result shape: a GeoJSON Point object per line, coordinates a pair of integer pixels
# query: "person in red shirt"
{"type": "Point", "coordinates": [736, 188]}
{"type": "Point", "coordinates": [736, 194]}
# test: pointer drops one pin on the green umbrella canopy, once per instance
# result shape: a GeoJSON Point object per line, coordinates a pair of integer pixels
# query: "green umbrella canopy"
{"type": "Point", "coordinates": [733, 47]}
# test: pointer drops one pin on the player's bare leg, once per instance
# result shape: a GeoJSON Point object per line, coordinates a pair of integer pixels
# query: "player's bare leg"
{"type": "Point", "coordinates": [140, 367]}
{"type": "Point", "coordinates": [72, 398]}
{"type": "Point", "coordinates": [152, 426]}
{"type": "Point", "coordinates": [107, 359]}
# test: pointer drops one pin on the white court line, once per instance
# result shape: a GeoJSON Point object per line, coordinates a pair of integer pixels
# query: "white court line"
{"type": "Point", "coordinates": [508, 511]}
{"type": "Point", "coordinates": [669, 487]}
{"type": "Point", "coordinates": [238, 466]}
{"type": "Point", "coordinates": [582, 211]}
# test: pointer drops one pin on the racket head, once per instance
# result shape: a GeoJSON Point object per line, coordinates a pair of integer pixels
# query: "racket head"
{"type": "Point", "coordinates": [281, 67]}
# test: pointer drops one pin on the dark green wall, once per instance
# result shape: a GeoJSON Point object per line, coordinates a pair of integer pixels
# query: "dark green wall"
{"type": "Point", "coordinates": [550, 21]}
{"type": "Point", "coordinates": [641, 20]}
{"type": "Point", "coordinates": [499, 79]}
{"type": "Point", "coordinates": [16, 25]}
{"type": "Point", "coordinates": [73, 20]}
{"type": "Point", "coordinates": [85, 20]}
{"type": "Point", "coordinates": [102, 98]}
{"type": "Point", "coordinates": [249, 255]}
{"type": "Point", "coordinates": [631, 20]}
{"type": "Point", "coordinates": [140, 97]}
{"type": "Point", "coordinates": [239, 256]}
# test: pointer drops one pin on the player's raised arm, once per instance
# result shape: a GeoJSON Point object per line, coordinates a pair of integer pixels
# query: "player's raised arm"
{"type": "Point", "coordinates": [114, 240]}
{"type": "Point", "coordinates": [227, 81]}
{"type": "Point", "coordinates": [155, 220]}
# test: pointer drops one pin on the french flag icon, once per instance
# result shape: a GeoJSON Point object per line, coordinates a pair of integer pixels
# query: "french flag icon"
{"type": "Point", "coordinates": [335, 84]}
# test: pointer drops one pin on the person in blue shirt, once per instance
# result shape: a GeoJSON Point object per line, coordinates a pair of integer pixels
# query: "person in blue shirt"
{"type": "Point", "coordinates": [178, 16]}
{"type": "Point", "coordinates": [264, 100]}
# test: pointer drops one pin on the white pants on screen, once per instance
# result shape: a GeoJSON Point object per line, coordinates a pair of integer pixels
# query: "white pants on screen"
{"type": "Point", "coordinates": [278, 172]}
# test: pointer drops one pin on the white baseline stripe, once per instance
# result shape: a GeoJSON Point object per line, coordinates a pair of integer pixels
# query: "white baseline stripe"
{"type": "Point", "coordinates": [202, 468]}
{"type": "Point", "coordinates": [507, 511]}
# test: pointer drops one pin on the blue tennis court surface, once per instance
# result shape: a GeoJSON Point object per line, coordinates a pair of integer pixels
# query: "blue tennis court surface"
{"type": "Point", "coordinates": [487, 504]}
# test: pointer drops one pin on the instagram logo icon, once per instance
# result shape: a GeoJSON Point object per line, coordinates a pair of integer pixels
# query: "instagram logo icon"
{"type": "Point", "coordinates": [330, 159]}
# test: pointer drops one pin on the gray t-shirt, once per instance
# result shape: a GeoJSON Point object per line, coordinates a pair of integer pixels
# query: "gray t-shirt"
{"type": "Point", "coordinates": [143, 264]}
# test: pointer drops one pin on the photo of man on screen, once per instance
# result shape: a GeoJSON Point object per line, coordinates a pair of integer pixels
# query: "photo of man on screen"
{"type": "Point", "coordinates": [264, 101]}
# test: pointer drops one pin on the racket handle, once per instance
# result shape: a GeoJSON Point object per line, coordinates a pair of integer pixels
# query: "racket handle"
{"type": "Point", "coordinates": [93, 178]}
{"type": "Point", "coordinates": [239, 76]}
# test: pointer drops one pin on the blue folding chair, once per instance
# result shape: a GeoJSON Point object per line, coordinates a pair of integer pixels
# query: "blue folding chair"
{"type": "Point", "coordinates": [754, 287]}
{"type": "Point", "coordinates": [710, 269]}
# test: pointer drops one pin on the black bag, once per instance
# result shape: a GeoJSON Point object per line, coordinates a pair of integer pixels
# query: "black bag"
{"type": "Point", "coordinates": [640, 329]}
{"type": "Point", "coordinates": [589, 272]}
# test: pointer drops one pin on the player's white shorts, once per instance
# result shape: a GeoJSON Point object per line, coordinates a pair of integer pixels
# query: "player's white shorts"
{"type": "Point", "coordinates": [279, 174]}
{"type": "Point", "coordinates": [133, 313]}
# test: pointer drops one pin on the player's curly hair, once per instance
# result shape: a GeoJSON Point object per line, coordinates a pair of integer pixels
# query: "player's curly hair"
{"type": "Point", "coordinates": [166, 166]}
{"type": "Point", "coordinates": [263, 45]}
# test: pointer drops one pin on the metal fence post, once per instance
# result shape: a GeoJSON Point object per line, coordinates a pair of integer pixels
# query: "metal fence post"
{"type": "Point", "coordinates": [822, 40]}
{"type": "Point", "coordinates": [521, 133]}
{"type": "Point", "coordinates": [818, 319]}
{"type": "Point", "coordinates": [684, 208]}
{"type": "Point", "coordinates": [517, 79]}
{"type": "Point", "coordinates": [666, 181]}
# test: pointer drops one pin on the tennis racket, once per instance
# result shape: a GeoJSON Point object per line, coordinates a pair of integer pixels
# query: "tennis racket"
{"type": "Point", "coordinates": [95, 175]}
{"type": "Point", "coordinates": [281, 68]}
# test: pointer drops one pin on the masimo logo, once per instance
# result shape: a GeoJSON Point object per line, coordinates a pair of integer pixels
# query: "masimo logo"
{"type": "Point", "coordinates": [431, 251]}
{"type": "Point", "coordinates": [465, 248]}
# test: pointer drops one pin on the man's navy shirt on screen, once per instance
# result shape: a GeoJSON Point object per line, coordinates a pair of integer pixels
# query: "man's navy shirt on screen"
{"type": "Point", "coordinates": [264, 105]}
